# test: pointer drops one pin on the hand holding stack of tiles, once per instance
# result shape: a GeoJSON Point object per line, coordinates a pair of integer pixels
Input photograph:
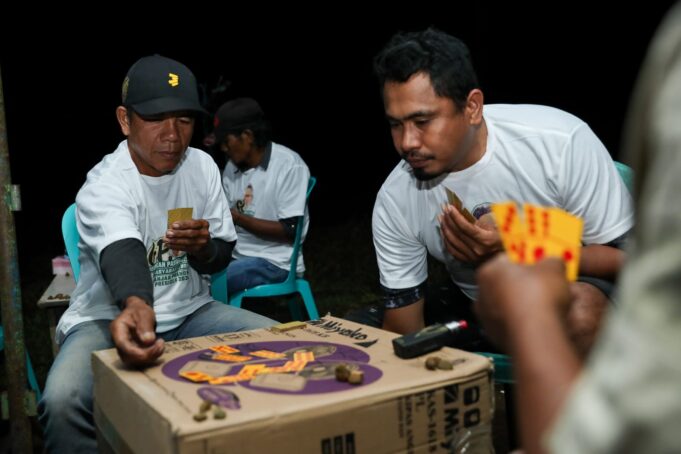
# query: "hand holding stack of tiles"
{"type": "Point", "coordinates": [538, 232]}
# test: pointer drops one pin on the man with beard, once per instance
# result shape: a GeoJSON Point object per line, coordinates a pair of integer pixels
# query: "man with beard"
{"type": "Point", "coordinates": [523, 153]}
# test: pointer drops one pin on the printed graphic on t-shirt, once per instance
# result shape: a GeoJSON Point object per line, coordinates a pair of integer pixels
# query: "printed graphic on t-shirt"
{"type": "Point", "coordinates": [483, 213]}
{"type": "Point", "coordinates": [245, 205]}
{"type": "Point", "coordinates": [166, 268]}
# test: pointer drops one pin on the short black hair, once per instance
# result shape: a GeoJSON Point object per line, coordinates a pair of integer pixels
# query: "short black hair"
{"type": "Point", "coordinates": [444, 58]}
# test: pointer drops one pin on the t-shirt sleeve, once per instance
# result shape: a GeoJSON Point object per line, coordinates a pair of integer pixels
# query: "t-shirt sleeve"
{"type": "Point", "coordinates": [591, 188]}
{"type": "Point", "coordinates": [291, 192]}
{"type": "Point", "coordinates": [402, 259]}
{"type": "Point", "coordinates": [106, 214]}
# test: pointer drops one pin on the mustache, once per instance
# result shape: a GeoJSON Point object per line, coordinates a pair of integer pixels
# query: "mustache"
{"type": "Point", "coordinates": [414, 155]}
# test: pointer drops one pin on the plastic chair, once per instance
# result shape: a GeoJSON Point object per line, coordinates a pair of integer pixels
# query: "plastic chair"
{"type": "Point", "coordinates": [503, 371]}
{"type": "Point", "coordinates": [627, 175]}
{"type": "Point", "coordinates": [69, 231]}
{"type": "Point", "coordinates": [218, 286]}
{"type": "Point", "coordinates": [292, 284]}
{"type": "Point", "coordinates": [32, 382]}
{"type": "Point", "coordinates": [71, 236]}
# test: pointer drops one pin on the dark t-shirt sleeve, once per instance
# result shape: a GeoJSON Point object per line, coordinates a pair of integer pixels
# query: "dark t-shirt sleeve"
{"type": "Point", "coordinates": [290, 227]}
{"type": "Point", "coordinates": [397, 298]}
{"type": "Point", "coordinates": [126, 272]}
{"type": "Point", "coordinates": [220, 257]}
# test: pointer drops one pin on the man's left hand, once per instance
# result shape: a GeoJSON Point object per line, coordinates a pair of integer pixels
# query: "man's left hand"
{"type": "Point", "coordinates": [511, 294]}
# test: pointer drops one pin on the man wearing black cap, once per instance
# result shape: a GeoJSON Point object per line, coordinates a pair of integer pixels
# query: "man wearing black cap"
{"type": "Point", "coordinates": [153, 222]}
{"type": "Point", "coordinates": [266, 187]}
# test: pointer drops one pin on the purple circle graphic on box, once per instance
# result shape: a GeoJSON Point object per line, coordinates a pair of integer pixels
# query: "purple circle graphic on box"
{"type": "Point", "coordinates": [316, 377]}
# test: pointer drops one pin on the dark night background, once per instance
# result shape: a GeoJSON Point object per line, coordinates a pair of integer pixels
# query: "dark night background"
{"type": "Point", "coordinates": [313, 78]}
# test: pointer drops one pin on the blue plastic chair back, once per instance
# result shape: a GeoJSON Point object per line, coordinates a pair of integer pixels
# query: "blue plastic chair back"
{"type": "Point", "coordinates": [69, 231]}
{"type": "Point", "coordinates": [503, 372]}
{"type": "Point", "coordinates": [627, 175]}
{"type": "Point", "coordinates": [292, 273]}
{"type": "Point", "coordinates": [71, 236]}
{"type": "Point", "coordinates": [218, 286]}
{"type": "Point", "coordinates": [292, 284]}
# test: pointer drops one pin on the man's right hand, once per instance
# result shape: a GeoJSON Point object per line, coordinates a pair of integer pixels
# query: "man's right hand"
{"type": "Point", "coordinates": [134, 336]}
{"type": "Point", "coordinates": [468, 243]}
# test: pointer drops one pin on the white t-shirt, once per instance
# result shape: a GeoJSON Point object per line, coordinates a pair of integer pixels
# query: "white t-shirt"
{"type": "Point", "coordinates": [276, 192]}
{"type": "Point", "coordinates": [534, 154]}
{"type": "Point", "coordinates": [117, 202]}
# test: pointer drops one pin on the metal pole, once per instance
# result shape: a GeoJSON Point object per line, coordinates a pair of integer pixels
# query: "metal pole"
{"type": "Point", "coordinates": [10, 300]}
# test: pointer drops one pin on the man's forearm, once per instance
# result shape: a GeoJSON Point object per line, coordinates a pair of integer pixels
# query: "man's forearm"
{"type": "Point", "coordinates": [404, 320]}
{"type": "Point", "coordinates": [271, 230]}
{"type": "Point", "coordinates": [601, 261]}
{"type": "Point", "coordinates": [545, 368]}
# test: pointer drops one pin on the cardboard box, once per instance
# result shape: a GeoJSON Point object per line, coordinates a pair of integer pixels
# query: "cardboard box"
{"type": "Point", "coordinates": [287, 405]}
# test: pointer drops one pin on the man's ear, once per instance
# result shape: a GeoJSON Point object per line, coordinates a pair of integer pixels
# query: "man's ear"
{"type": "Point", "coordinates": [474, 104]}
{"type": "Point", "coordinates": [123, 120]}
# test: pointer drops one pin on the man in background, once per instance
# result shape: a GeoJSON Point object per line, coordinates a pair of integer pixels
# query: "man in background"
{"type": "Point", "coordinates": [266, 187]}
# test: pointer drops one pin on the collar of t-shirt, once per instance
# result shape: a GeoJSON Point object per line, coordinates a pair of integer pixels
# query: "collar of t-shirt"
{"type": "Point", "coordinates": [265, 161]}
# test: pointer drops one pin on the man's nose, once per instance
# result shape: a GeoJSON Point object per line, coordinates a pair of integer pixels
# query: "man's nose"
{"type": "Point", "coordinates": [410, 140]}
{"type": "Point", "coordinates": [170, 130]}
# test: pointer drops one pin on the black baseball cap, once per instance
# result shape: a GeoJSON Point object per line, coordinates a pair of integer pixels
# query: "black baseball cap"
{"type": "Point", "coordinates": [234, 115]}
{"type": "Point", "coordinates": [156, 85]}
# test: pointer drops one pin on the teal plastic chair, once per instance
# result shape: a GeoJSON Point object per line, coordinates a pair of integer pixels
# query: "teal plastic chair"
{"type": "Point", "coordinates": [503, 371]}
{"type": "Point", "coordinates": [627, 175]}
{"type": "Point", "coordinates": [69, 231]}
{"type": "Point", "coordinates": [293, 284]}
{"type": "Point", "coordinates": [32, 381]}
{"type": "Point", "coordinates": [218, 286]}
